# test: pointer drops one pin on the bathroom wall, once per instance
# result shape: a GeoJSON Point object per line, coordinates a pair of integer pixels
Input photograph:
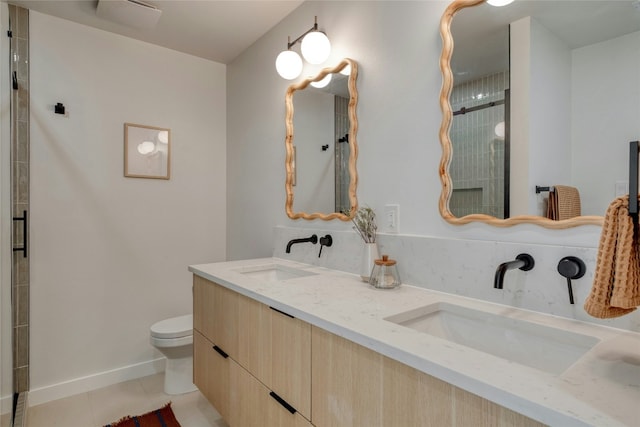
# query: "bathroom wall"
{"type": "Point", "coordinates": [399, 116]}
{"type": "Point", "coordinates": [604, 77]}
{"type": "Point", "coordinates": [110, 254]}
{"type": "Point", "coordinates": [541, 126]}
{"type": "Point", "coordinates": [397, 45]}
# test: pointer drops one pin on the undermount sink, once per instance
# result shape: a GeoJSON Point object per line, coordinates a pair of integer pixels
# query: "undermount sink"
{"type": "Point", "coordinates": [542, 347]}
{"type": "Point", "coordinates": [274, 272]}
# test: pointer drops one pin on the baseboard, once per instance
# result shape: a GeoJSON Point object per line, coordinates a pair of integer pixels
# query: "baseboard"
{"type": "Point", "coordinates": [6, 402]}
{"type": "Point", "coordinates": [45, 394]}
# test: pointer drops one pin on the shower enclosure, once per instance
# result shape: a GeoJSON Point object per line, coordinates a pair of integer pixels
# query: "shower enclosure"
{"type": "Point", "coordinates": [17, 196]}
{"type": "Point", "coordinates": [480, 138]}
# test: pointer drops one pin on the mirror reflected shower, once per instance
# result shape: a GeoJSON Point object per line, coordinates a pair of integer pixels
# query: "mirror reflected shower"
{"type": "Point", "coordinates": [567, 119]}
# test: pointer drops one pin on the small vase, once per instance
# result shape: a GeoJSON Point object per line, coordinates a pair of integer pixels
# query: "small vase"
{"type": "Point", "coordinates": [369, 255]}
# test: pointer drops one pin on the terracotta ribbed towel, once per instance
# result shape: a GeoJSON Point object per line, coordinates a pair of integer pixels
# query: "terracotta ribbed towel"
{"type": "Point", "coordinates": [616, 284]}
{"type": "Point", "coordinates": [564, 203]}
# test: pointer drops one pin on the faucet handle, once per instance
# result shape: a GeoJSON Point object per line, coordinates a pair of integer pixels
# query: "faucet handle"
{"type": "Point", "coordinates": [327, 240]}
{"type": "Point", "coordinates": [571, 267]}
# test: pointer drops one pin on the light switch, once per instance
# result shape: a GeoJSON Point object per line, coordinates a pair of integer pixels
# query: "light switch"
{"type": "Point", "coordinates": [622, 188]}
{"type": "Point", "coordinates": [391, 218]}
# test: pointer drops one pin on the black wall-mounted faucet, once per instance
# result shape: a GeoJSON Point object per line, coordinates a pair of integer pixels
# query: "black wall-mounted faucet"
{"type": "Point", "coordinates": [313, 239]}
{"type": "Point", "coordinates": [523, 262]}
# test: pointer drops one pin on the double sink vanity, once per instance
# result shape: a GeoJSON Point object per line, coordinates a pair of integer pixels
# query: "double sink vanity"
{"type": "Point", "coordinates": [306, 345]}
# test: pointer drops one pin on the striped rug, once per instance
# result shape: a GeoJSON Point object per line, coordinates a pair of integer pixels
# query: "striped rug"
{"type": "Point", "coordinates": [162, 417]}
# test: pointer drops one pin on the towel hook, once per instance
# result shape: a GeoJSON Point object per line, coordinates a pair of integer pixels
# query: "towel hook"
{"type": "Point", "coordinates": [633, 184]}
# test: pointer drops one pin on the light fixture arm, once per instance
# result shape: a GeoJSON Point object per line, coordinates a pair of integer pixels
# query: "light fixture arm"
{"type": "Point", "coordinates": [290, 43]}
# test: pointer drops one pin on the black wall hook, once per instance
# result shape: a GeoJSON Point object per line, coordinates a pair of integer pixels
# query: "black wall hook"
{"type": "Point", "coordinates": [325, 147]}
{"type": "Point", "coordinates": [59, 108]}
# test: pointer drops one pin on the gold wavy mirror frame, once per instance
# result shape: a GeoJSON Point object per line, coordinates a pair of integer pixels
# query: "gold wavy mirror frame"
{"type": "Point", "coordinates": [290, 165]}
{"type": "Point", "coordinates": [445, 141]}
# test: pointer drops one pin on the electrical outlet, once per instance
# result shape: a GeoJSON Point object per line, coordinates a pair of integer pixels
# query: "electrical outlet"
{"type": "Point", "coordinates": [391, 218]}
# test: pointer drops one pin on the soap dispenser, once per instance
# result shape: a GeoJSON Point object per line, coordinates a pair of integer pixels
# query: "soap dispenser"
{"type": "Point", "coordinates": [384, 274]}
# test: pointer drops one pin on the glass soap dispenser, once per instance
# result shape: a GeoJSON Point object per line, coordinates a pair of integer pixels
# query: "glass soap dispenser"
{"type": "Point", "coordinates": [384, 274]}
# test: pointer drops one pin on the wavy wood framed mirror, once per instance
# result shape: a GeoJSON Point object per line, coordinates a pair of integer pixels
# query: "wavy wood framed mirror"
{"type": "Point", "coordinates": [320, 162]}
{"type": "Point", "coordinates": [573, 130]}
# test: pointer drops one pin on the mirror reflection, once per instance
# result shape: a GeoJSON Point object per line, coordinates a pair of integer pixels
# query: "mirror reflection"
{"type": "Point", "coordinates": [541, 95]}
{"type": "Point", "coordinates": [321, 144]}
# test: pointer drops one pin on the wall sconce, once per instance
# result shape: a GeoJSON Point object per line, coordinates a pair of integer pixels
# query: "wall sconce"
{"type": "Point", "coordinates": [499, 3]}
{"type": "Point", "coordinates": [315, 48]}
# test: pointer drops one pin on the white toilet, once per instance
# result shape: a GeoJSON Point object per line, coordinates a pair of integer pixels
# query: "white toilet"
{"type": "Point", "coordinates": [174, 338]}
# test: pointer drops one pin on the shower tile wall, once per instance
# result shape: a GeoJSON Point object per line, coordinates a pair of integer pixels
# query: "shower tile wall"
{"type": "Point", "coordinates": [19, 24]}
{"type": "Point", "coordinates": [342, 151]}
{"type": "Point", "coordinates": [477, 164]}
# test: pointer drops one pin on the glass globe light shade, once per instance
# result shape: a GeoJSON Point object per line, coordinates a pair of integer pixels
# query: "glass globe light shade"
{"type": "Point", "coordinates": [499, 3]}
{"type": "Point", "coordinates": [315, 47]}
{"type": "Point", "coordinates": [146, 147]}
{"type": "Point", "coordinates": [163, 136]}
{"type": "Point", "coordinates": [289, 64]}
{"type": "Point", "coordinates": [499, 130]}
{"type": "Point", "coordinates": [322, 83]}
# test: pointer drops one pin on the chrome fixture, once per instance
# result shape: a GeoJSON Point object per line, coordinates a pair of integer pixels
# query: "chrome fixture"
{"type": "Point", "coordinates": [522, 262]}
{"type": "Point", "coordinates": [315, 48]}
{"type": "Point", "coordinates": [572, 268]}
{"type": "Point", "coordinates": [325, 241]}
{"type": "Point", "coordinates": [313, 239]}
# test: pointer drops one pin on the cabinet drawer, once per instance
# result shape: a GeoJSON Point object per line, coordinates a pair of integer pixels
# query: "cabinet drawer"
{"type": "Point", "coordinates": [215, 313]}
{"type": "Point", "coordinates": [211, 374]}
{"type": "Point", "coordinates": [254, 405]}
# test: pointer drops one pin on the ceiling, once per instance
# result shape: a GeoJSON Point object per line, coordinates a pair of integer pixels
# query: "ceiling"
{"type": "Point", "coordinates": [211, 29]}
{"type": "Point", "coordinates": [482, 37]}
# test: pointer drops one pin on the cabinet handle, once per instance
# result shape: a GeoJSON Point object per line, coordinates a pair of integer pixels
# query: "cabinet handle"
{"type": "Point", "coordinates": [283, 402]}
{"type": "Point", "coordinates": [281, 312]}
{"type": "Point", "coordinates": [220, 351]}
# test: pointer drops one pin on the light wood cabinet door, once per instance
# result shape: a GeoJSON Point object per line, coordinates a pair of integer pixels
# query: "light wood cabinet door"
{"type": "Point", "coordinates": [211, 373]}
{"type": "Point", "coordinates": [291, 361]}
{"type": "Point", "coordinates": [253, 405]}
{"type": "Point", "coordinates": [273, 346]}
{"type": "Point", "coordinates": [355, 386]}
{"type": "Point", "coordinates": [215, 314]}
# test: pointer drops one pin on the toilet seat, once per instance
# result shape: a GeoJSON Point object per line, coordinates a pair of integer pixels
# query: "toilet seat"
{"type": "Point", "coordinates": [176, 327]}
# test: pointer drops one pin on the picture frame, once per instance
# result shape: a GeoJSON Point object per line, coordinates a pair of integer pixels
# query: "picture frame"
{"type": "Point", "coordinates": [147, 151]}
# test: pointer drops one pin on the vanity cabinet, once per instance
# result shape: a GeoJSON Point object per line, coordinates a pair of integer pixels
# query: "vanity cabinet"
{"type": "Point", "coordinates": [267, 351]}
{"type": "Point", "coordinates": [252, 362]}
{"type": "Point", "coordinates": [355, 386]}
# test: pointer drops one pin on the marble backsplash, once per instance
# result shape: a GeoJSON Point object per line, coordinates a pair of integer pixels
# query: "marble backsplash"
{"type": "Point", "coordinates": [463, 267]}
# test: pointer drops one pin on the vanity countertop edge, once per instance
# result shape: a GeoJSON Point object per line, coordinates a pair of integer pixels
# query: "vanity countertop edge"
{"type": "Point", "coordinates": [342, 304]}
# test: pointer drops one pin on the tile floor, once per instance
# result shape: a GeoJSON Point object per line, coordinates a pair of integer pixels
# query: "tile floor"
{"type": "Point", "coordinates": [100, 407]}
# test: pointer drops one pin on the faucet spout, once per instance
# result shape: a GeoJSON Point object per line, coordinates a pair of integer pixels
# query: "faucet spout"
{"type": "Point", "coordinates": [523, 262]}
{"type": "Point", "coordinates": [313, 239]}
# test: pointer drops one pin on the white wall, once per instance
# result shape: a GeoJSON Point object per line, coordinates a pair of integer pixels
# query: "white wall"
{"type": "Point", "coordinates": [109, 253]}
{"type": "Point", "coordinates": [541, 125]}
{"type": "Point", "coordinates": [604, 78]}
{"type": "Point", "coordinates": [549, 114]}
{"type": "Point", "coordinates": [397, 46]}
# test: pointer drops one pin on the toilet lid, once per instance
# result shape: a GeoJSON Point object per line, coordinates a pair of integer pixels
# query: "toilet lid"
{"type": "Point", "coordinates": [175, 327]}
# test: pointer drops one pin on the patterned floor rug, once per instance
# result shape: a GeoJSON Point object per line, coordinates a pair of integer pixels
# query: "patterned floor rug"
{"type": "Point", "coordinates": [162, 417]}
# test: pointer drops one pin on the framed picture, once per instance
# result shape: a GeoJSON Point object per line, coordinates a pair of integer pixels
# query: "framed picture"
{"type": "Point", "coordinates": [147, 151]}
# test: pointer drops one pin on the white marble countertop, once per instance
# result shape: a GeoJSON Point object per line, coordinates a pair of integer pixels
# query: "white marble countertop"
{"type": "Point", "coordinates": [601, 389]}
